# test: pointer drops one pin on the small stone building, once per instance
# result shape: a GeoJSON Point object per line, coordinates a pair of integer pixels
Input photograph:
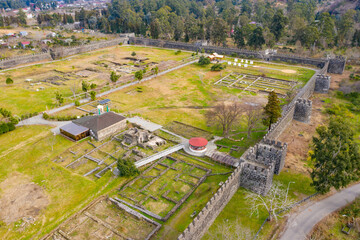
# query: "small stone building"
{"type": "Point", "coordinates": [104, 125]}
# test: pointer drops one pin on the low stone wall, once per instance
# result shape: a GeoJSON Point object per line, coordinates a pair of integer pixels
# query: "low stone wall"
{"type": "Point", "coordinates": [15, 61]}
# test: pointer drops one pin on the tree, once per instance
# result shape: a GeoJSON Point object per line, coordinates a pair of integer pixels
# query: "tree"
{"type": "Point", "coordinates": [21, 16]}
{"type": "Point", "coordinates": [73, 88]}
{"type": "Point", "coordinates": [219, 31]}
{"type": "Point", "coordinates": [139, 75]}
{"type": "Point", "coordinates": [278, 24]}
{"type": "Point", "coordinates": [327, 28]}
{"type": "Point", "coordinates": [203, 61]}
{"type": "Point", "coordinates": [9, 80]}
{"type": "Point", "coordinates": [346, 26]}
{"type": "Point", "coordinates": [272, 110]}
{"type": "Point", "coordinates": [253, 115]}
{"type": "Point", "coordinates": [276, 199]}
{"type": "Point", "coordinates": [155, 70]}
{"type": "Point", "coordinates": [335, 156]}
{"type": "Point", "coordinates": [133, 54]}
{"type": "Point", "coordinates": [93, 95]}
{"type": "Point", "coordinates": [85, 86]}
{"type": "Point", "coordinates": [217, 67]}
{"type": "Point", "coordinates": [225, 115]}
{"type": "Point", "coordinates": [93, 86]}
{"type": "Point", "coordinates": [257, 38]}
{"type": "Point", "coordinates": [114, 77]}
{"type": "Point", "coordinates": [127, 168]}
{"type": "Point", "coordinates": [233, 230]}
{"type": "Point", "coordinates": [238, 37]}
{"type": "Point", "coordinates": [59, 98]}
{"type": "Point", "coordinates": [155, 29]}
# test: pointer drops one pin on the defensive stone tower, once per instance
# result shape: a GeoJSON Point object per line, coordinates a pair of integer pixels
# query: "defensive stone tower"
{"type": "Point", "coordinates": [322, 84]}
{"type": "Point", "coordinates": [303, 108]}
{"type": "Point", "coordinates": [337, 65]}
{"type": "Point", "coordinates": [260, 163]}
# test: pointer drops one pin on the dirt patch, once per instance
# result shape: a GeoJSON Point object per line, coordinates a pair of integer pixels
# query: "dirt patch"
{"type": "Point", "coordinates": [288, 71]}
{"type": "Point", "coordinates": [20, 198]}
{"type": "Point", "coordinates": [299, 136]}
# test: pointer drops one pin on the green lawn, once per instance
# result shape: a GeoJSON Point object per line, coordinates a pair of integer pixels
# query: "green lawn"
{"type": "Point", "coordinates": [27, 152]}
{"type": "Point", "coordinates": [21, 98]}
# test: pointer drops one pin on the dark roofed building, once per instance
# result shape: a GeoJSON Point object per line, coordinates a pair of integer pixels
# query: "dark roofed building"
{"type": "Point", "coordinates": [74, 131]}
{"type": "Point", "coordinates": [104, 125]}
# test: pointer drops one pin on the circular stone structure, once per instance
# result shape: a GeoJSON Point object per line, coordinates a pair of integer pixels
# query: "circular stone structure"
{"type": "Point", "coordinates": [198, 144]}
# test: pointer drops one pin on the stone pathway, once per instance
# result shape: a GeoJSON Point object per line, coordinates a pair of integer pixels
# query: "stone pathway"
{"type": "Point", "coordinates": [144, 124]}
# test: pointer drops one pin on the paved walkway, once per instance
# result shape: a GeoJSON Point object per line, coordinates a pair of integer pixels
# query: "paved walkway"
{"type": "Point", "coordinates": [158, 155]}
{"type": "Point", "coordinates": [300, 225]}
{"type": "Point", "coordinates": [147, 125]}
{"type": "Point", "coordinates": [39, 120]}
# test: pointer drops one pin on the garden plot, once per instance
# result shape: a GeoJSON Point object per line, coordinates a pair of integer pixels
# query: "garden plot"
{"type": "Point", "coordinates": [164, 187]}
{"type": "Point", "coordinates": [94, 159]}
{"type": "Point", "coordinates": [105, 219]}
{"type": "Point", "coordinates": [254, 83]}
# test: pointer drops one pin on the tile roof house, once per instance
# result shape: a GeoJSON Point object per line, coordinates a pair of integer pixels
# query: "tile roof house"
{"type": "Point", "coordinates": [104, 125]}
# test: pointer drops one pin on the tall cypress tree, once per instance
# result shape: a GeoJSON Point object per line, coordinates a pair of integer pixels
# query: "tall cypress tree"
{"type": "Point", "coordinates": [272, 110]}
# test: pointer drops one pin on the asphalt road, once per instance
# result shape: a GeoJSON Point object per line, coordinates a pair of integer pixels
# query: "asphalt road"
{"type": "Point", "coordinates": [300, 225]}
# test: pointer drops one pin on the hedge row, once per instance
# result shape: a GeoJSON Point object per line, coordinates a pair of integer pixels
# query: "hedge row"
{"type": "Point", "coordinates": [6, 127]}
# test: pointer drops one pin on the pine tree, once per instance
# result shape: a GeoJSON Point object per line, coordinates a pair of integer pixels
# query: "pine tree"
{"type": "Point", "coordinates": [335, 156]}
{"type": "Point", "coordinates": [272, 110]}
{"type": "Point", "coordinates": [239, 38]}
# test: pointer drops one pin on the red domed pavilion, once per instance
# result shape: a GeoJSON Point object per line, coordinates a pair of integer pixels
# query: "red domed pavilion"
{"type": "Point", "coordinates": [198, 144]}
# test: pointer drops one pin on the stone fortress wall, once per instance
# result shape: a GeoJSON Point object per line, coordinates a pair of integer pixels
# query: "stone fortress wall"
{"type": "Point", "coordinates": [259, 163]}
{"type": "Point", "coordinates": [20, 60]}
{"type": "Point", "coordinates": [58, 53]}
{"type": "Point", "coordinates": [336, 65]}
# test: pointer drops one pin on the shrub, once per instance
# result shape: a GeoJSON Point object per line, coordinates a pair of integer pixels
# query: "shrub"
{"type": "Point", "coordinates": [133, 54]}
{"type": "Point", "coordinates": [9, 80]}
{"type": "Point", "coordinates": [93, 86]}
{"type": "Point", "coordinates": [93, 95]}
{"type": "Point", "coordinates": [77, 103]}
{"type": "Point", "coordinates": [46, 116]}
{"type": "Point", "coordinates": [177, 52]}
{"type": "Point", "coordinates": [127, 168]}
{"type": "Point", "coordinates": [139, 75]}
{"type": "Point", "coordinates": [218, 67]}
{"type": "Point", "coordinates": [6, 127]}
{"type": "Point", "coordinates": [114, 77]}
{"type": "Point", "coordinates": [348, 67]}
{"type": "Point", "coordinates": [203, 61]}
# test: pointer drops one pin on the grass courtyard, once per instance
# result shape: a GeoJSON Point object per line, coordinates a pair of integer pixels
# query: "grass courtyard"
{"type": "Point", "coordinates": [60, 76]}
